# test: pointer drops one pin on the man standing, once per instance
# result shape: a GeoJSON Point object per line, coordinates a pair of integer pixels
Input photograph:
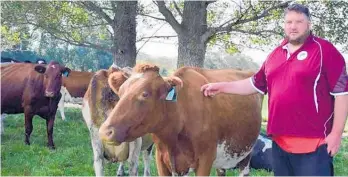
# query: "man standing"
{"type": "Point", "coordinates": [307, 83]}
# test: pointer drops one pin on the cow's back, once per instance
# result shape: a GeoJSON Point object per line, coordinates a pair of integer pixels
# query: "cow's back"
{"type": "Point", "coordinates": [101, 99]}
{"type": "Point", "coordinates": [232, 121]}
{"type": "Point", "coordinates": [15, 83]}
{"type": "Point", "coordinates": [77, 83]}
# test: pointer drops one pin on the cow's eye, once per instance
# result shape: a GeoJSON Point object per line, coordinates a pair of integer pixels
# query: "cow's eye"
{"type": "Point", "coordinates": [146, 94]}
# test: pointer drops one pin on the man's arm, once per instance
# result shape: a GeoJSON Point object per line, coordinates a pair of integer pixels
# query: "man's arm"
{"type": "Point", "coordinates": [340, 114]}
{"type": "Point", "coordinates": [334, 139]}
{"type": "Point", "coordinates": [241, 87]}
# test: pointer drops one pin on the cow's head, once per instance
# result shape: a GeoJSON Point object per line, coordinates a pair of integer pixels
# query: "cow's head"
{"type": "Point", "coordinates": [52, 77]}
{"type": "Point", "coordinates": [141, 106]}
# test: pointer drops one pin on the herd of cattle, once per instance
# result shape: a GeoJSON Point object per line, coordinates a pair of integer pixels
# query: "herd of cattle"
{"type": "Point", "coordinates": [128, 110]}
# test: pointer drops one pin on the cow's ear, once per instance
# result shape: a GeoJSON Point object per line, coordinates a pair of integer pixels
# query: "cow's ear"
{"type": "Point", "coordinates": [115, 80]}
{"type": "Point", "coordinates": [174, 81]}
{"type": "Point", "coordinates": [169, 90]}
{"type": "Point", "coordinates": [40, 69]}
{"type": "Point", "coordinates": [66, 71]}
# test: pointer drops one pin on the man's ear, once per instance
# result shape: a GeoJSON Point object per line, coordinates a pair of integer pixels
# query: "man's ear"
{"type": "Point", "coordinates": [40, 69]}
{"type": "Point", "coordinates": [115, 80]}
{"type": "Point", "coordinates": [66, 71]}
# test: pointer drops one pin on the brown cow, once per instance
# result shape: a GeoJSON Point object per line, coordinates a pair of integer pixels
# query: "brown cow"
{"type": "Point", "coordinates": [73, 89]}
{"type": "Point", "coordinates": [98, 102]}
{"type": "Point", "coordinates": [193, 132]}
{"type": "Point", "coordinates": [32, 89]}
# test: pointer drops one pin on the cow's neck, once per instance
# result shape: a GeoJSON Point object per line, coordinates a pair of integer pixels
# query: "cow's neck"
{"type": "Point", "coordinates": [169, 117]}
{"type": "Point", "coordinates": [172, 139]}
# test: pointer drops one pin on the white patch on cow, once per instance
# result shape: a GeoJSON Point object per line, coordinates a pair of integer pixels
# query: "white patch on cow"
{"type": "Point", "coordinates": [245, 171]}
{"type": "Point", "coordinates": [226, 160]}
{"type": "Point", "coordinates": [115, 66]}
{"type": "Point", "coordinates": [120, 170]}
{"type": "Point", "coordinates": [268, 143]}
{"type": "Point", "coordinates": [95, 140]}
{"type": "Point", "coordinates": [70, 99]}
{"type": "Point", "coordinates": [136, 76]}
{"type": "Point", "coordinates": [53, 66]}
{"type": "Point", "coordinates": [67, 98]}
{"type": "Point", "coordinates": [147, 160]}
{"type": "Point", "coordinates": [134, 152]}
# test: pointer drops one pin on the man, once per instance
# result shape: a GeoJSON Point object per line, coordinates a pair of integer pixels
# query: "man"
{"type": "Point", "coordinates": [307, 84]}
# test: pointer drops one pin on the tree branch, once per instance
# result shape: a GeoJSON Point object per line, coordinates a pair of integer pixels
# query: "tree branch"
{"type": "Point", "coordinates": [257, 33]}
{"type": "Point", "coordinates": [210, 1]}
{"type": "Point", "coordinates": [177, 8]}
{"type": "Point", "coordinates": [113, 4]}
{"type": "Point", "coordinates": [145, 15]}
{"type": "Point", "coordinates": [169, 17]}
{"type": "Point", "coordinates": [50, 30]}
{"type": "Point", "coordinates": [213, 30]}
{"type": "Point", "coordinates": [82, 44]}
{"type": "Point", "coordinates": [150, 37]}
{"type": "Point", "coordinates": [92, 7]}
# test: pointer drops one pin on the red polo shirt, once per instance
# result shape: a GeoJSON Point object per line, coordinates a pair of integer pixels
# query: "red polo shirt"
{"type": "Point", "coordinates": [301, 88]}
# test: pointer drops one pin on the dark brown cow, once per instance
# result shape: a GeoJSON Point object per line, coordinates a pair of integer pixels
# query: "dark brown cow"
{"type": "Point", "coordinates": [32, 89]}
{"type": "Point", "coordinates": [73, 89]}
{"type": "Point", "coordinates": [193, 132]}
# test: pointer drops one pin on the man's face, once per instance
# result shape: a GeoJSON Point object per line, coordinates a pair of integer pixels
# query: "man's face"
{"type": "Point", "coordinates": [297, 27]}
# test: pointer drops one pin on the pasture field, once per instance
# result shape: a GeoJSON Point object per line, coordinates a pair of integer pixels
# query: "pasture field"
{"type": "Point", "coordinates": [73, 155]}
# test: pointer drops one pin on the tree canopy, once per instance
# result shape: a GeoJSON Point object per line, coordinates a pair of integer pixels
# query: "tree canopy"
{"type": "Point", "coordinates": [110, 26]}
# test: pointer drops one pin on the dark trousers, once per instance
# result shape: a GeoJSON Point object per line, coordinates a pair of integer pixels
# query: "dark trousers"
{"type": "Point", "coordinates": [317, 163]}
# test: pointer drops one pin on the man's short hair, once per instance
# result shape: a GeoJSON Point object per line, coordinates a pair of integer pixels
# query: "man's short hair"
{"type": "Point", "coordinates": [299, 8]}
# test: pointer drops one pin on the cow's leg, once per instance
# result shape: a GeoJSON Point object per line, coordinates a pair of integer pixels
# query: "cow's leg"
{"type": "Point", "coordinates": [28, 126]}
{"type": "Point", "coordinates": [97, 152]}
{"type": "Point", "coordinates": [146, 159]}
{"type": "Point", "coordinates": [134, 152]}
{"type": "Point", "coordinates": [220, 172]}
{"type": "Point", "coordinates": [205, 163]}
{"type": "Point", "coordinates": [61, 105]}
{"type": "Point", "coordinates": [97, 146]}
{"type": "Point", "coordinates": [244, 166]}
{"type": "Point", "coordinates": [49, 126]}
{"type": "Point", "coordinates": [120, 170]}
{"type": "Point", "coordinates": [2, 127]}
{"type": "Point", "coordinates": [161, 166]}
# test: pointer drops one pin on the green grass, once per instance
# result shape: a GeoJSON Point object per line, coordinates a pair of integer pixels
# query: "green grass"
{"type": "Point", "coordinates": [73, 155]}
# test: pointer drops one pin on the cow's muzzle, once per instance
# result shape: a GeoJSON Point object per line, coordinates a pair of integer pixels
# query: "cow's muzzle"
{"type": "Point", "coordinates": [110, 136]}
{"type": "Point", "coordinates": [49, 94]}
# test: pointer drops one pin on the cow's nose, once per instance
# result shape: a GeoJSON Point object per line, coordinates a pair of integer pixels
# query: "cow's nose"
{"type": "Point", "coordinates": [49, 94]}
{"type": "Point", "coordinates": [108, 134]}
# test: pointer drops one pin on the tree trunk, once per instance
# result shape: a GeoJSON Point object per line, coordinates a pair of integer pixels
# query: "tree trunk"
{"type": "Point", "coordinates": [124, 51]}
{"type": "Point", "coordinates": [192, 48]}
{"type": "Point", "coordinates": [191, 51]}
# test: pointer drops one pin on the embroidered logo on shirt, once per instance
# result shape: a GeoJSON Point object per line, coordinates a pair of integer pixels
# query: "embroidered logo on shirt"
{"type": "Point", "coordinates": [302, 55]}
